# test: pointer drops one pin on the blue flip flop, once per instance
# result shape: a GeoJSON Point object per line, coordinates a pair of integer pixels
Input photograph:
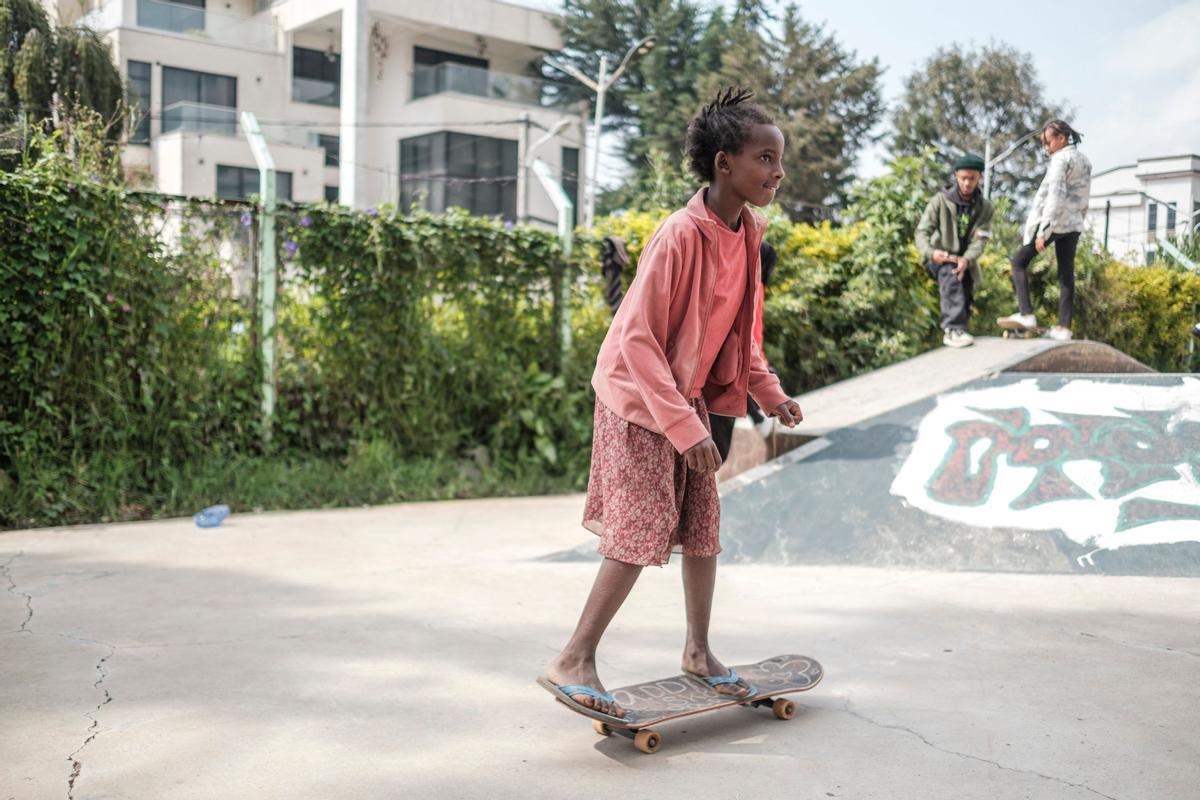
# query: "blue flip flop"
{"type": "Point", "coordinates": [725, 680]}
{"type": "Point", "coordinates": [563, 694]}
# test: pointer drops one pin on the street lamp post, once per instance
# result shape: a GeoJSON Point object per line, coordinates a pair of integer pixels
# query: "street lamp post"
{"type": "Point", "coordinates": [599, 86]}
{"type": "Point", "coordinates": [989, 162]}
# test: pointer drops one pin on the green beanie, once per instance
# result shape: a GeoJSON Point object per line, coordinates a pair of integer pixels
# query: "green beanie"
{"type": "Point", "coordinates": [969, 161]}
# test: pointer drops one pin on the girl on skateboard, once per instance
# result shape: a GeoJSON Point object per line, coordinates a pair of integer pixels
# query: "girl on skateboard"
{"type": "Point", "coordinates": [680, 345]}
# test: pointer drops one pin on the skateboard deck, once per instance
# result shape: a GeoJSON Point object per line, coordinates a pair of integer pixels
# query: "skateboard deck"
{"type": "Point", "coordinates": [1012, 331]}
{"type": "Point", "coordinates": [1023, 333]}
{"type": "Point", "coordinates": [666, 699]}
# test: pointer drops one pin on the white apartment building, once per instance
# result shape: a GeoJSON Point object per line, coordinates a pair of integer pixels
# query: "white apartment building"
{"type": "Point", "coordinates": [1134, 205]}
{"type": "Point", "coordinates": [361, 101]}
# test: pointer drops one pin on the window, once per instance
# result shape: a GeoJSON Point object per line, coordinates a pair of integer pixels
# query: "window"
{"type": "Point", "coordinates": [570, 180]}
{"type": "Point", "coordinates": [331, 194]}
{"type": "Point", "coordinates": [316, 77]}
{"type": "Point", "coordinates": [139, 91]}
{"type": "Point", "coordinates": [198, 101]}
{"type": "Point", "coordinates": [1152, 222]}
{"type": "Point", "coordinates": [436, 71]}
{"type": "Point", "coordinates": [177, 16]}
{"type": "Point", "coordinates": [1171, 207]}
{"type": "Point", "coordinates": [332, 147]}
{"type": "Point", "coordinates": [445, 169]}
{"type": "Point", "coordinates": [238, 183]}
{"type": "Point", "coordinates": [427, 57]}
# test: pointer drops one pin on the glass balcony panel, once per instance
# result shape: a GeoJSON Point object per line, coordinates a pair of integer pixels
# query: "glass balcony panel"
{"type": "Point", "coordinates": [200, 118]}
{"type": "Point", "coordinates": [310, 90]}
{"type": "Point", "coordinates": [174, 17]}
{"type": "Point", "coordinates": [463, 79]}
{"type": "Point", "coordinates": [190, 20]}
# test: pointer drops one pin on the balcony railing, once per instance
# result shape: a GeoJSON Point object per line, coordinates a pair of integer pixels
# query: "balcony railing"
{"type": "Point", "coordinates": [222, 28]}
{"type": "Point", "coordinates": [200, 118]}
{"type": "Point", "coordinates": [463, 79]}
{"type": "Point", "coordinates": [311, 90]}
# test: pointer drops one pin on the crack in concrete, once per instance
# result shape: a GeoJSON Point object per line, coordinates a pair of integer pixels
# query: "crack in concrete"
{"type": "Point", "coordinates": [6, 571]}
{"type": "Point", "coordinates": [970, 756]}
{"type": "Point", "coordinates": [94, 729]}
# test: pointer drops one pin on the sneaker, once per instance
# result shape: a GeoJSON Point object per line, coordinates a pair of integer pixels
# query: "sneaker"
{"type": "Point", "coordinates": [1018, 322]}
{"type": "Point", "coordinates": [1058, 333]}
{"type": "Point", "coordinates": [957, 338]}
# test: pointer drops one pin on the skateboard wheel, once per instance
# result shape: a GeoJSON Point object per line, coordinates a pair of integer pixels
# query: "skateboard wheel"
{"type": "Point", "coordinates": [647, 741]}
{"type": "Point", "coordinates": [784, 708]}
{"type": "Point", "coordinates": [601, 728]}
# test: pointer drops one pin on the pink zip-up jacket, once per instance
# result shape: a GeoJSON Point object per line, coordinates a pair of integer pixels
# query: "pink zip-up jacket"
{"type": "Point", "coordinates": [650, 358]}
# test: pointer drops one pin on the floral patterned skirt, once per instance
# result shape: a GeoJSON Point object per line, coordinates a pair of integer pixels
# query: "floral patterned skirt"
{"type": "Point", "coordinates": [642, 500]}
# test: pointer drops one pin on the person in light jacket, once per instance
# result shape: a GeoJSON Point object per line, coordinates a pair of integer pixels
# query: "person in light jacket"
{"type": "Point", "coordinates": [1057, 218]}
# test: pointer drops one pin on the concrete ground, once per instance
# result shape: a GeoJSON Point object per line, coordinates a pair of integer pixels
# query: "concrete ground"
{"type": "Point", "coordinates": [390, 653]}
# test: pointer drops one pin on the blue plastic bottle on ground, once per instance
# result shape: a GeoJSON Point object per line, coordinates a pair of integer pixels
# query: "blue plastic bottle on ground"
{"type": "Point", "coordinates": [211, 517]}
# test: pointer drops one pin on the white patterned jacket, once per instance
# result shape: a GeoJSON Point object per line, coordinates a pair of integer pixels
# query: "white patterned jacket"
{"type": "Point", "coordinates": [1061, 201]}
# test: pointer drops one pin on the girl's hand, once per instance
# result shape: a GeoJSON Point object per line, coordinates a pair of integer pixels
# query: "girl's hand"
{"type": "Point", "coordinates": [1040, 244]}
{"type": "Point", "coordinates": [703, 457]}
{"type": "Point", "coordinates": [788, 413]}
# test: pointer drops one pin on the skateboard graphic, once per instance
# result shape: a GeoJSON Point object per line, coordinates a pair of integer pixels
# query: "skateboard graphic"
{"type": "Point", "coordinates": [666, 699]}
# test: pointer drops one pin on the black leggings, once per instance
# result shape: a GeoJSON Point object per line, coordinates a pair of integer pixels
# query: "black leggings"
{"type": "Point", "coordinates": [1064, 249]}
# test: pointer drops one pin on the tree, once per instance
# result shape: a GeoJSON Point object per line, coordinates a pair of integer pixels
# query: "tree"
{"type": "Point", "coordinates": [53, 77]}
{"type": "Point", "coordinates": [653, 101]}
{"type": "Point", "coordinates": [822, 98]}
{"type": "Point", "coordinates": [960, 98]}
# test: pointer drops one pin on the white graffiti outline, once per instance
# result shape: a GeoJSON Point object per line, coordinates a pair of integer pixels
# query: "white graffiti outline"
{"type": "Point", "coordinates": [1091, 521]}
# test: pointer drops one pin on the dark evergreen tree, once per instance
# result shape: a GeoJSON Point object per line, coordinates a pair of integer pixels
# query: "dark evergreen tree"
{"type": "Point", "coordinates": [961, 97]}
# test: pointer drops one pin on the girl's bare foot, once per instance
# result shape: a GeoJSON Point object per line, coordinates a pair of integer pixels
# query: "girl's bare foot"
{"type": "Point", "coordinates": [705, 664]}
{"type": "Point", "coordinates": [565, 669]}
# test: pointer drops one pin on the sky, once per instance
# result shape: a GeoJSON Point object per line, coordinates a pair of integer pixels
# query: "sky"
{"type": "Point", "coordinates": [1130, 70]}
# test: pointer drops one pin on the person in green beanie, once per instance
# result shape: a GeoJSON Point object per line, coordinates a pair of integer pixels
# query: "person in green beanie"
{"type": "Point", "coordinates": [950, 238]}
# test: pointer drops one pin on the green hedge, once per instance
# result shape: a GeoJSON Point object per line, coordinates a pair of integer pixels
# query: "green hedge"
{"type": "Point", "coordinates": [418, 356]}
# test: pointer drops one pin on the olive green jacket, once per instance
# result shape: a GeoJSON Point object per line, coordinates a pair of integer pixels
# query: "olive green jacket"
{"type": "Point", "coordinates": [939, 230]}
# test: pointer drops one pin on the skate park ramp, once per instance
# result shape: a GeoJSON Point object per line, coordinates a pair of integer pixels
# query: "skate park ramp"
{"type": "Point", "coordinates": [1013, 455]}
{"type": "Point", "coordinates": [1023, 456]}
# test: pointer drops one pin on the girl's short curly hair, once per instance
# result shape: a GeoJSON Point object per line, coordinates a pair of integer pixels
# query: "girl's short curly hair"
{"type": "Point", "coordinates": [723, 124]}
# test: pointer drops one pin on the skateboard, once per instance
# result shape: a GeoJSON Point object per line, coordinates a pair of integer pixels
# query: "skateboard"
{"type": "Point", "coordinates": [1022, 332]}
{"type": "Point", "coordinates": [667, 699]}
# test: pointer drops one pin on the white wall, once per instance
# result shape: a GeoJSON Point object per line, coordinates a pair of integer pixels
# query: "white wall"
{"type": "Point", "coordinates": [1118, 193]}
{"type": "Point", "coordinates": [188, 164]}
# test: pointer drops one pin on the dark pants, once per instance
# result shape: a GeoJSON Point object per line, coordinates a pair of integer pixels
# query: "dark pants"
{"type": "Point", "coordinates": [956, 295]}
{"type": "Point", "coordinates": [1064, 250]}
{"type": "Point", "coordinates": [722, 427]}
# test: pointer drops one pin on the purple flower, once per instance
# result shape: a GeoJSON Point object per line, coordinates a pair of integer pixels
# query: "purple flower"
{"type": "Point", "coordinates": [108, 298]}
{"type": "Point", "coordinates": [28, 229]}
{"type": "Point", "coordinates": [372, 211]}
{"type": "Point", "coordinates": [247, 219]}
{"type": "Point", "coordinates": [305, 221]}
{"type": "Point", "coordinates": [291, 247]}
{"type": "Point", "coordinates": [70, 185]}
{"type": "Point", "coordinates": [126, 308]}
{"type": "Point", "coordinates": [95, 179]}
{"type": "Point", "coordinates": [508, 225]}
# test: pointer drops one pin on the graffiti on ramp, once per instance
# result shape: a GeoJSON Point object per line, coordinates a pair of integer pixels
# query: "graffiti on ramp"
{"type": "Point", "coordinates": [1109, 463]}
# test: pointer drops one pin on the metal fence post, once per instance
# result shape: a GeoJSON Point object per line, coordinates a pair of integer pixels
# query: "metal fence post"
{"type": "Point", "coordinates": [266, 269]}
